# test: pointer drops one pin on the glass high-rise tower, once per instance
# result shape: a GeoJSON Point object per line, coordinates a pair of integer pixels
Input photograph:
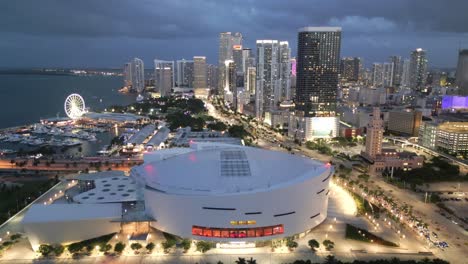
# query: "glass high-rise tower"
{"type": "Point", "coordinates": [418, 68]}
{"type": "Point", "coordinates": [462, 72]}
{"type": "Point", "coordinates": [318, 63]}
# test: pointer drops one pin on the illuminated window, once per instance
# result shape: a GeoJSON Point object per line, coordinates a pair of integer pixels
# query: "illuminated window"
{"type": "Point", "coordinates": [237, 232]}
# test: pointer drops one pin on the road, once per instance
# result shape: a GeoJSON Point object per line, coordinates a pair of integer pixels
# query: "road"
{"type": "Point", "coordinates": [453, 234]}
{"type": "Point", "coordinates": [70, 165]}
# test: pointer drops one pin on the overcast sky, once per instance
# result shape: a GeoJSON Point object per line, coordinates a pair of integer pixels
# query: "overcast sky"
{"type": "Point", "coordinates": [99, 33]}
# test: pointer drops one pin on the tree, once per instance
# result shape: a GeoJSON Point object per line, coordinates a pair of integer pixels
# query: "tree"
{"type": "Point", "coordinates": [237, 131]}
{"type": "Point", "coordinates": [75, 247]}
{"type": "Point", "coordinates": [329, 245]}
{"type": "Point", "coordinates": [15, 236]}
{"type": "Point", "coordinates": [291, 244]}
{"type": "Point", "coordinates": [58, 250]}
{"type": "Point", "coordinates": [186, 244]}
{"type": "Point", "coordinates": [313, 244]}
{"type": "Point", "coordinates": [241, 261]}
{"type": "Point", "coordinates": [150, 247]}
{"type": "Point", "coordinates": [105, 248]}
{"type": "Point", "coordinates": [204, 246]}
{"type": "Point", "coordinates": [45, 249]}
{"type": "Point", "coordinates": [119, 247]}
{"type": "Point", "coordinates": [251, 261]}
{"type": "Point", "coordinates": [136, 246]}
{"type": "Point", "coordinates": [168, 244]}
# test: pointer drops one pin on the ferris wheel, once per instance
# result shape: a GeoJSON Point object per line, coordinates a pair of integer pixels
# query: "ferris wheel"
{"type": "Point", "coordinates": [74, 106]}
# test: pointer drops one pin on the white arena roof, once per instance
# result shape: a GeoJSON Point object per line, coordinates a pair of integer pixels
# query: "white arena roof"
{"type": "Point", "coordinates": [39, 213]}
{"type": "Point", "coordinates": [224, 169]}
{"type": "Point", "coordinates": [109, 190]}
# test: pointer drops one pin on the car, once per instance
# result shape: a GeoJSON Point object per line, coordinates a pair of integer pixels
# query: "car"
{"type": "Point", "coordinates": [434, 234]}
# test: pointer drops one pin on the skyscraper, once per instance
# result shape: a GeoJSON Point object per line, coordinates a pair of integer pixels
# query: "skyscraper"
{"type": "Point", "coordinates": [184, 73]}
{"type": "Point", "coordinates": [164, 76]}
{"type": "Point", "coordinates": [237, 56]}
{"type": "Point", "coordinates": [284, 72]}
{"type": "Point", "coordinates": [268, 81]}
{"type": "Point", "coordinates": [199, 72]}
{"type": "Point", "coordinates": [418, 68]}
{"type": "Point", "coordinates": [374, 135]}
{"type": "Point", "coordinates": [227, 41]}
{"type": "Point", "coordinates": [350, 69]}
{"type": "Point", "coordinates": [397, 69]}
{"type": "Point", "coordinates": [138, 75]}
{"type": "Point", "coordinates": [318, 63]}
{"type": "Point", "coordinates": [247, 61]}
{"type": "Point", "coordinates": [212, 77]}
{"type": "Point", "coordinates": [405, 76]}
{"type": "Point", "coordinates": [251, 80]}
{"type": "Point", "coordinates": [388, 74]}
{"type": "Point", "coordinates": [377, 74]}
{"type": "Point", "coordinates": [293, 77]}
{"type": "Point", "coordinates": [462, 72]}
{"type": "Point", "coordinates": [127, 72]}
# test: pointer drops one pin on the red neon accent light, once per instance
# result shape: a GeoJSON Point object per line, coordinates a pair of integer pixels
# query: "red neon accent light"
{"type": "Point", "coordinates": [237, 232]}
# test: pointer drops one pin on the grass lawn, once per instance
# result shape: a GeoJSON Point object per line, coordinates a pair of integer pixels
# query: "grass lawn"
{"type": "Point", "coordinates": [362, 235]}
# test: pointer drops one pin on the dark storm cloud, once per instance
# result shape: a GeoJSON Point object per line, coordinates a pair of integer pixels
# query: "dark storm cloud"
{"type": "Point", "coordinates": [108, 32]}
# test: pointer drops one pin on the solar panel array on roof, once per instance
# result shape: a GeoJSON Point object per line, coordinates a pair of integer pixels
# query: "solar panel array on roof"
{"type": "Point", "coordinates": [234, 163]}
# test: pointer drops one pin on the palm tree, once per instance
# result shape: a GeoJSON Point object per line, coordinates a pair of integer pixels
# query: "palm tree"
{"type": "Point", "coordinates": [251, 261]}
{"type": "Point", "coordinates": [241, 261]}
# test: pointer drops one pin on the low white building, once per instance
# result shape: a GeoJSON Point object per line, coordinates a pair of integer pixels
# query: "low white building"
{"type": "Point", "coordinates": [68, 223]}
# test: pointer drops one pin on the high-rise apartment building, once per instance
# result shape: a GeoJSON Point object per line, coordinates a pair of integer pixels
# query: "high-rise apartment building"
{"type": "Point", "coordinates": [284, 71]}
{"type": "Point", "coordinates": [382, 74]}
{"type": "Point", "coordinates": [397, 70]}
{"type": "Point", "coordinates": [388, 74]}
{"type": "Point", "coordinates": [251, 80]}
{"type": "Point", "coordinates": [184, 73]}
{"type": "Point", "coordinates": [164, 77]}
{"type": "Point", "coordinates": [248, 60]}
{"type": "Point", "coordinates": [377, 74]}
{"type": "Point", "coordinates": [318, 63]}
{"type": "Point", "coordinates": [212, 77]}
{"type": "Point", "coordinates": [374, 135]}
{"type": "Point", "coordinates": [199, 72]}
{"type": "Point", "coordinates": [462, 72]}
{"type": "Point", "coordinates": [227, 41]}
{"type": "Point", "coordinates": [138, 75]}
{"type": "Point", "coordinates": [268, 80]}
{"type": "Point", "coordinates": [405, 76]}
{"type": "Point", "coordinates": [418, 69]}
{"type": "Point", "coordinates": [127, 72]}
{"type": "Point", "coordinates": [350, 69]}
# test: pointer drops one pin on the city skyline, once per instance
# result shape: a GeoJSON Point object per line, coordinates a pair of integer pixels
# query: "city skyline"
{"type": "Point", "coordinates": [107, 36]}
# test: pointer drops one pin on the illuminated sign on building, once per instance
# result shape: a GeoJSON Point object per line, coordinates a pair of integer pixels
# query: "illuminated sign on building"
{"type": "Point", "coordinates": [454, 102]}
